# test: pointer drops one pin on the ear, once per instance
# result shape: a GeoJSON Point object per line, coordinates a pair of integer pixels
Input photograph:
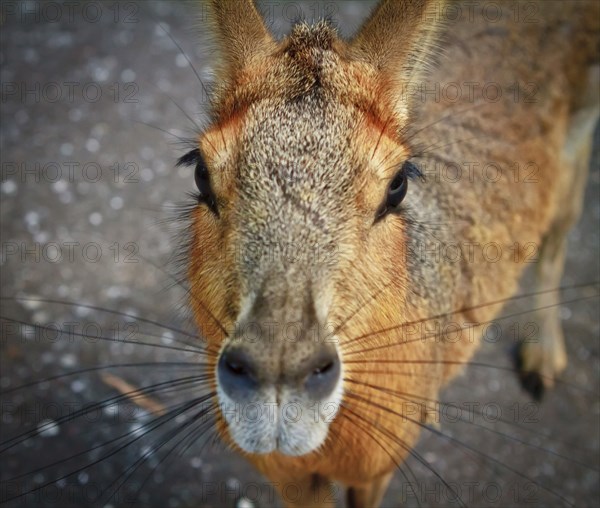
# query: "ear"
{"type": "Point", "coordinates": [399, 41]}
{"type": "Point", "coordinates": [241, 35]}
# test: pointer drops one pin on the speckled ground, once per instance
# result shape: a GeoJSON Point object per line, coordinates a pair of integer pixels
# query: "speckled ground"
{"type": "Point", "coordinates": [87, 176]}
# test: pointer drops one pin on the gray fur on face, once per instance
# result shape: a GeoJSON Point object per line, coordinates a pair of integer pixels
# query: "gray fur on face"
{"type": "Point", "coordinates": [294, 175]}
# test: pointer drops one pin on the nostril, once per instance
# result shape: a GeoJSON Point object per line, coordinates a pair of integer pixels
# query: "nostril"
{"type": "Point", "coordinates": [236, 373]}
{"type": "Point", "coordinates": [324, 369]}
{"type": "Point", "coordinates": [323, 376]}
{"type": "Point", "coordinates": [235, 368]}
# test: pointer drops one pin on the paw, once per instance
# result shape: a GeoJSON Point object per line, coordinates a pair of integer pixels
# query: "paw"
{"type": "Point", "coordinates": [540, 362]}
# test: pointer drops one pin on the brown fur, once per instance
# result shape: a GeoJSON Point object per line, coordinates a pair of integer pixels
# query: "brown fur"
{"type": "Point", "coordinates": [338, 109]}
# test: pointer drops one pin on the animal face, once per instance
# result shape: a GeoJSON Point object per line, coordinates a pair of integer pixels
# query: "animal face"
{"type": "Point", "coordinates": [302, 189]}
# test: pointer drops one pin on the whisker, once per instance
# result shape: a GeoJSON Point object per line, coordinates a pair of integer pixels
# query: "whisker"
{"type": "Point", "coordinates": [405, 447]}
{"type": "Point", "coordinates": [204, 89]}
{"type": "Point", "coordinates": [102, 367]}
{"type": "Point", "coordinates": [359, 307]}
{"type": "Point", "coordinates": [188, 142]}
{"type": "Point", "coordinates": [192, 436]}
{"type": "Point", "coordinates": [461, 444]}
{"type": "Point", "coordinates": [130, 471]}
{"type": "Point", "coordinates": [107, 339]}
{"type": "Point", "coordinates": [467, 363]}
{"type": "Point", "coordinates": [389, 372]}
{"type": "Point", "coordinates": [471, 308]}
{"type": "Point", "coordinates": [445, 117]}
{"type": "Point", "coordinates": [103, 309]}
{"type": "Point", "coordinates": [168, 411]}
{"type": "Point", "coordinates": [180, 212]}
{"type": "Point", "coordinates": [157, 387]}
{"type": "Point", "coordinates": [404, 396]}
{"type": "Point", "coordinates": [434, 147]}
{"type": "Point", "coordinates": [383, 447]}
{"type": "Point", "coordinates": [460, 380]}
{"type": "Point", "coordinates": [194, 123]}
{"type": "Point", "coordinates": [176, 413]}
{"type": "Point", "coordinates": [192, 295]}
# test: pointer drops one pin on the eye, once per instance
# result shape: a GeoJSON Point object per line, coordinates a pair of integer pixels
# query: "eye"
{"type": "Point", "coordinates": [201, 177]}
{"type": "Point", "coordinates": [396, 191]}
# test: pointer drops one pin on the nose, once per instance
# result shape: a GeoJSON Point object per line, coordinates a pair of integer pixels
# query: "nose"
{"type": "Point", "coordinates": [241, 374]}
{"type": "Point", "coordinates": [237, 373]}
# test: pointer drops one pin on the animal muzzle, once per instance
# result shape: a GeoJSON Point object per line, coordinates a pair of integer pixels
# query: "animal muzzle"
{"type": "Point", "coordinates": [279, 395]}
{"type": "Point", "coordinates": [243, 373]}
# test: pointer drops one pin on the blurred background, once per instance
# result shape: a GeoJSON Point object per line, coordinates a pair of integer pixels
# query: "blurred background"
{"type": "Point", "coordinates": [97, 104]}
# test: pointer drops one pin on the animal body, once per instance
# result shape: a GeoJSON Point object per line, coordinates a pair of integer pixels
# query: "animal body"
{"type": "Point", "coordinates": [365, 208]}
{"type": "Point", "coordinates": [319, 145]}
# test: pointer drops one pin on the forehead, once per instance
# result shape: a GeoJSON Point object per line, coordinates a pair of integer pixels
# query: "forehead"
{"type": "Point", "coordinates": [304, 143]}
{"type": "Point", "coordinates": [295, 166]}
{"type": "Point", "coordinates": [295, 134]}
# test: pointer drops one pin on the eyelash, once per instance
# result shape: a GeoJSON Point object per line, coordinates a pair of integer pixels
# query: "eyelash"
{"type": "Point", "coordinates": [201, 177]}
{"type": "Point", "coordinates": [397, 190]}
{"type": "Point", "coordinates": [206, 196]}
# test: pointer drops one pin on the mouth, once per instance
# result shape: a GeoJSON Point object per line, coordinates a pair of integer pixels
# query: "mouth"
{"type": "Point", "coordinates": [262, 427]}
{"type": "Point", "coordinates": [281, 406]}
{"type": "Point", "coordinates": [280, 420]}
